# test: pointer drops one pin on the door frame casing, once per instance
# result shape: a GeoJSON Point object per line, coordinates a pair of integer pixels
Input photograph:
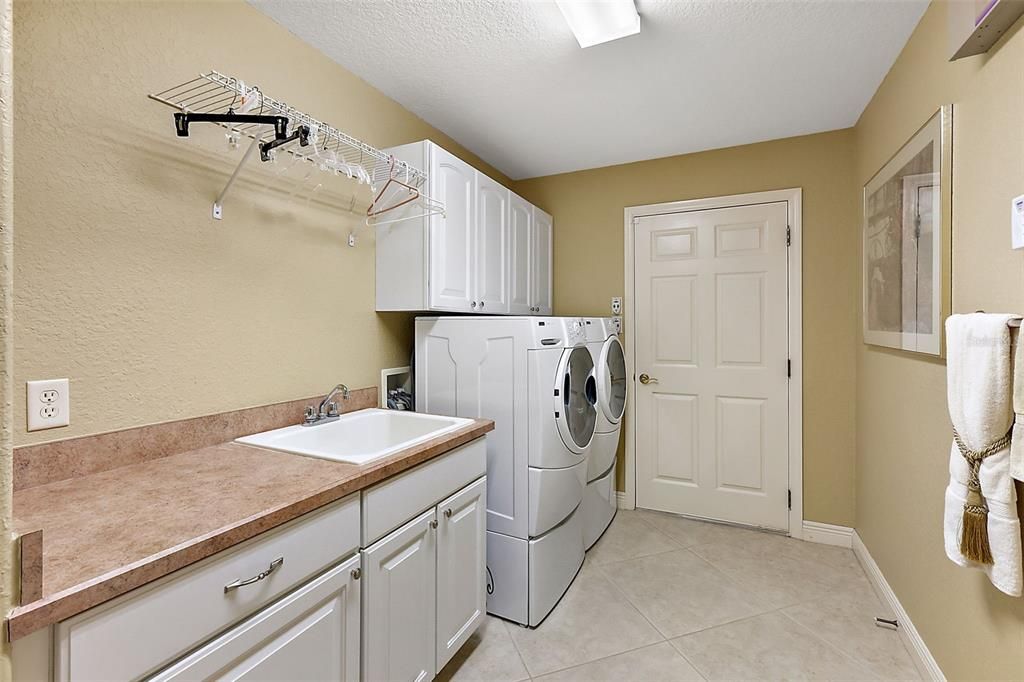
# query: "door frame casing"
{"type": "Point", "coordinates": [794, 200]}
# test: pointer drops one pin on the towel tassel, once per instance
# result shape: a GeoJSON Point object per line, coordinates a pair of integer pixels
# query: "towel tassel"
{"type": "Point", "coordinates": [974, 542]}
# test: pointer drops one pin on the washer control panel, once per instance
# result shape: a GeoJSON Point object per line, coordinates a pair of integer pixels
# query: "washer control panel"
{"type": "Point", "coordinates": [575, 333]}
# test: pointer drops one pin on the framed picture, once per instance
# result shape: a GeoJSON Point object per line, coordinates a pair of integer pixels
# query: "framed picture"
{"type": "Point", "coordinates": [907, 229]}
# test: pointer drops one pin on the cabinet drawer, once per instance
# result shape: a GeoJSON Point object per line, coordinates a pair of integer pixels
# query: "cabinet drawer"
{"type": "Point", "coordinates": [388, 505]}
{"type": "Point", "coordinates": [151, 626]}
{"type": "Point", "coordinates": [311, 634]}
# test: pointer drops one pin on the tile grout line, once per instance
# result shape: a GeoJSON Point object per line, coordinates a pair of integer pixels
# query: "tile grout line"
{"type": "Point", "coordinates": [625, 597]}
{"type": "Point", "coordinates": [516, 647]}
{"type": "Point", "coordinates": [622, 653]}
{"type": "Point", "coordinates": [853, 659]}
{"type": "Point", "coordinates": [669, 638]}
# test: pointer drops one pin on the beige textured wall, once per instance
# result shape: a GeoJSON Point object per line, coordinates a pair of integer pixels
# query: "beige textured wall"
{"type": "Point", "coordinates": [8, 575]}
{"type": "Point", "coordinates": [123, 281]}
{"type": "Point", "coordinates": [903, 429]}
{"type": "Point", "coordinates": [589, 269]}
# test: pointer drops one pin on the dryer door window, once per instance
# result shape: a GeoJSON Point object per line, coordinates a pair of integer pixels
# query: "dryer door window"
{"type": "Point", "coordinates": [612, 388]}
{"type": "Point", "coordinates": [579, 396]}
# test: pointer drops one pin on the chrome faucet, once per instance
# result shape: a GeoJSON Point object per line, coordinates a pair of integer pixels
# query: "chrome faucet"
{"type": "Point", "coordinates": [327, 410]}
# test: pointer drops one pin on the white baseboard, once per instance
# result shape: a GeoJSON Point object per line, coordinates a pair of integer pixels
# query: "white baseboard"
{"type": "Point", "coordinates": [621, 501]}
{"type": "Point", "coordinates": [828, 534]}
{"type": "Point", "coordinates": [923, 658]}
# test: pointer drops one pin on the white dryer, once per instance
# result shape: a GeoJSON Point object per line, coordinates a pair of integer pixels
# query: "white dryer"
{"type": "Point", "coordinates": [534, 376]}
{"type": "Point", "coordinates": [599, 500]}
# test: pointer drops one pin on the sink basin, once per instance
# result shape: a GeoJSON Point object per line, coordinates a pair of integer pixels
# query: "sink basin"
{"type": "Point", "coordinates": [357, 437]}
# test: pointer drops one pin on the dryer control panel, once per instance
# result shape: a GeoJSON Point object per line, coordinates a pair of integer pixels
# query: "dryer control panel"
{"type": "Point", "coordinates": [575, 334]}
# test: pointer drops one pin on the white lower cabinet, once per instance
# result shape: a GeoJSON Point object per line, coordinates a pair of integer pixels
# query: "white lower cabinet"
{"type": "Point", "coordinates": [312, 634]}
{"type": "Point", "coordinates": [154, 626]}
{"type": "Point", "coordinates": [380, 586]}
{"type": "Point", "coordinates": [425, 589]}
{"type": "Point", "coordinates": [461, 568]}
{"type": "Point", "coordinates": [399, 604]}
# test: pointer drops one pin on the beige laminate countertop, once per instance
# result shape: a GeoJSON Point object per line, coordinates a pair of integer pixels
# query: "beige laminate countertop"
{"type": "Point", "coordinates": [108, 533]}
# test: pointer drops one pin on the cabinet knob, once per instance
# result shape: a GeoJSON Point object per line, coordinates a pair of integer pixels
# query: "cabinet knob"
{"type": "Point", "coordinates": [473, 304]}
{"type": "Point", "coordinates": [433, 524]}
{"type": "Point", "coordinates": [357, 573]}
{"type": "Point", "coordinates": [481, 304]}
{"type": "Point", "coordinates": [447, 513]}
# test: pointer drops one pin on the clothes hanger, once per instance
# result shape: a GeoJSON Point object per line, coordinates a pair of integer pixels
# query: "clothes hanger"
{"type": "Point", "coordinates": [414, 192]}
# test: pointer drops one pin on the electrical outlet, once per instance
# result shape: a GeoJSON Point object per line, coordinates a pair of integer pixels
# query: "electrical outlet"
{"type": "Point", "coordinates": [617, 305]}
{"type": "Point", "coordinates": [1017, 223]}
{"type": "Point", "coordinates": [47, 404]}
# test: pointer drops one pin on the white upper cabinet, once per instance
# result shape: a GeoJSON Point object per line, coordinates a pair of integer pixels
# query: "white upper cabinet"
{"type": "Point", "coordinates": [540, 272]}
{"type": "Point", "coordinates": [486, 254]}
{"type": "Point", "coordinates": [492, 261]}
{"type": "Point", "coordinates": [520, 226]}
{"type": "Point", "coordinates": [452, 238]}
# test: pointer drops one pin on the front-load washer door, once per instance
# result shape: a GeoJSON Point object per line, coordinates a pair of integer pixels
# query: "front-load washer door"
{"type": "Point", "coordinates": [576, 399]}
{"type": "Point", "coordinates": [611, 380]}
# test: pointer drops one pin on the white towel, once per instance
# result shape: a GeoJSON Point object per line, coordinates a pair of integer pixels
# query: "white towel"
{"type": "Point", "coordinates": [979, 395]}
{"type": "Point", "coordinates": [1017, 445]}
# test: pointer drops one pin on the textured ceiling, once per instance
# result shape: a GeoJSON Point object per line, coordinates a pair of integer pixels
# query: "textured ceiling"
{"type": "Point", "coordinates": [507, 79]}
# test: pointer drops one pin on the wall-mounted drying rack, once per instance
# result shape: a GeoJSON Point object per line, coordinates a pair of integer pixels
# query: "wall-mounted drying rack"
{"type": "Point", "coordinates": [247, 111]}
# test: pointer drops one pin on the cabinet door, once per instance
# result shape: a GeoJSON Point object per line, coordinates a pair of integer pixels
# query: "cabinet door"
{"type": "Point", "coordinates": [461, 568]}
{"type": "Point", "coordinates": [312, 634]}
{"type": "Point", "coordinates": [452, 247]}
{"type": "Point", "coordinates": [399, 593]}
{"type": "Point", "coordinates": [492, 262]}
{"type": "Point", "coordinates": [520, 226]}
{"type": "Point", "coordinates": [540, 268]}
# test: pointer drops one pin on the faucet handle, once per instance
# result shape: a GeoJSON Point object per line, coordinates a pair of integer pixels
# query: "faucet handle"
{"type": "Point", "coordinates": [332, 409]}
{"type": "Point", "coordinates": [310, 415]}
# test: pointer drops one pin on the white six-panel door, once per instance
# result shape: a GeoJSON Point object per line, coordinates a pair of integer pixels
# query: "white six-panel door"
{"type": "Point", "coordinates": [711, 359]}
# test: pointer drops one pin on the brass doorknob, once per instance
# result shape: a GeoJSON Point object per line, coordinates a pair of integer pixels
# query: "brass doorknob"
{"type": "Point", "coordinates": [646, 379]}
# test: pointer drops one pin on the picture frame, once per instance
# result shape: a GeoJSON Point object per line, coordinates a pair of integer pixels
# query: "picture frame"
{"type": "Point", "coordinates": [907, 230]}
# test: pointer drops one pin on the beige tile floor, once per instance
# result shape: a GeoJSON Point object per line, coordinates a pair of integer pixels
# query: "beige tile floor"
{"type": "Point", "coordinates": [663, 598]}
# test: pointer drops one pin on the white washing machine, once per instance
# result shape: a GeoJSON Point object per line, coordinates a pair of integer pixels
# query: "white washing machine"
{"type": "Point", "coordinates": [534, 376]}
{"type": "Point", "coordinates": [599, 500]}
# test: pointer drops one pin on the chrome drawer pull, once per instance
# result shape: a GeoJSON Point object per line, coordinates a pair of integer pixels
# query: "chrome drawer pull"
{"type": "Point", "coordinates": [274, 565]}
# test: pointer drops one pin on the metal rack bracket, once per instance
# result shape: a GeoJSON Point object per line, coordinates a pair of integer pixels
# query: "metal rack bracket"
{"type": "Point", "coordinates": [218, 203]}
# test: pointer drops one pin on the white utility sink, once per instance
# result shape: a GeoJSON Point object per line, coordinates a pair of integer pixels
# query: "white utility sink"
{"type": "Point", "coordinates": [357, 437]}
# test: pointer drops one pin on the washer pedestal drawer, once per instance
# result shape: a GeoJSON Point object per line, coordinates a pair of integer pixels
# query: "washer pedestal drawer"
{"type": "Point", "coordinates": [598, 508]}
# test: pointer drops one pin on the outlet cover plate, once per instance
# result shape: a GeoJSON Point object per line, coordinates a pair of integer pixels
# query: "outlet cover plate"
{"type": "Point", "coordinates": [1017, 222]}
{"type": "Point", "coordinates": [47, 404]}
